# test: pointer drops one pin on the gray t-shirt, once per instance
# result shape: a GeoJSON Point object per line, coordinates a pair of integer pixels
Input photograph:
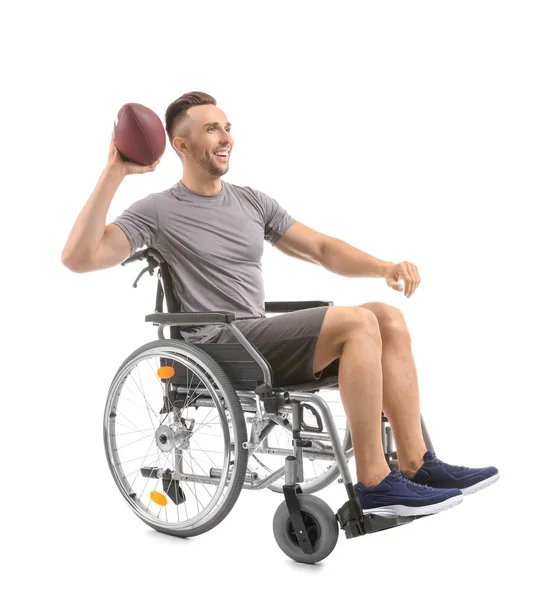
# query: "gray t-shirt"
{"type": "Point", "coordinates": [212, 244]}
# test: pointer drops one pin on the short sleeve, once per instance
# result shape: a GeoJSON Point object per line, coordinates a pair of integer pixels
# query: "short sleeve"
{"type": "Point", "coordinates": [140, 223]}
{"type": "Point", "coordinates": [276, 219]}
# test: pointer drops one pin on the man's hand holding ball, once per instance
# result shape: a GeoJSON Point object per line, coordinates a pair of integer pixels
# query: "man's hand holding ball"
{"type": "Point", "coordinates": [138, 140]}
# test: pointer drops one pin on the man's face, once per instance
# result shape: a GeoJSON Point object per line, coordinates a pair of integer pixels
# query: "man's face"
{"type": "Point", "coordinates": [209, 133]}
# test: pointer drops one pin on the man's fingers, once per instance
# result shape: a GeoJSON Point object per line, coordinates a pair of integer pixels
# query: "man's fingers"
{"type": "Point", "coordinates": [408, 273]}
{"type": "Point", "coordinates": [404, 274]}
{"type": "Point", "coordinates": [413, 279]}
{"type": "Point", "coordinates": [417, 279]}
{"type": "Point", "coordinates": [406, 277]}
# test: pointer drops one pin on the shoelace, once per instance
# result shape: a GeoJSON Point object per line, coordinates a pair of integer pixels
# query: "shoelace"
{"type": "Point", "coordinates": [437, 461]}
{"type": "Point", "coordinates": [399, 476]}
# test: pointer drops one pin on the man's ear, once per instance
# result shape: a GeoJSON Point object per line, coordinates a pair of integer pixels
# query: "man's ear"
{"type": "Point", "coordinates": [179, 145]}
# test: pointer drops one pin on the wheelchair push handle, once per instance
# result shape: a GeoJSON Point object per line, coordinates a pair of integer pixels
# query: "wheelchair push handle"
{"type": "Point", "coordinates": [148, 254]}
{"type": "Point", "coordinates": [139, 255]}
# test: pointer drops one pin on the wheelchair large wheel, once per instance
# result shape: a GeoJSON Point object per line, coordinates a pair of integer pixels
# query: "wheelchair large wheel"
{"type": "Point", "coordinates": [320, 522]}
{"type": "Point", "coordinates": [179, 464]}
{"type": "Point", "coordinates": [319, 465]}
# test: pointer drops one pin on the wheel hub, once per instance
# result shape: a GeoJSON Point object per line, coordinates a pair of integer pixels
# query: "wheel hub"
{"type": "Point", "coordinates": [311, 525]}
{"type": "Point", "coordinates": [172, 437]}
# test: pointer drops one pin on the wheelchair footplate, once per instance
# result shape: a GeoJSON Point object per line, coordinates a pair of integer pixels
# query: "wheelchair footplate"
{"type": "Point", "coordinates": [355, 522]}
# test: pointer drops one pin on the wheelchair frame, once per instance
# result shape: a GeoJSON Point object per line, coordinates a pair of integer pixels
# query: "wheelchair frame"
{"type": "Point", "coordinates": [248, 370]}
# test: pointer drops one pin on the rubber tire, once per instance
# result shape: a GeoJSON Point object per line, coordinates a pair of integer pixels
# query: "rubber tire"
{"type": "Point", "coordinates": [328, 529]}
{"type": "Point", "coordinates": [236, 415]}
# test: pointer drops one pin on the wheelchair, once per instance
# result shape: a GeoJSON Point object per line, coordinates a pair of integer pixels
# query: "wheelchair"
{"type": "Point", "coordinates": [176, 434]}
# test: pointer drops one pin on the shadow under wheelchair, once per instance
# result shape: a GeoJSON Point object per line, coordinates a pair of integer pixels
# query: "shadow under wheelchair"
{"type": "Point", "coordinates": [176, 434]}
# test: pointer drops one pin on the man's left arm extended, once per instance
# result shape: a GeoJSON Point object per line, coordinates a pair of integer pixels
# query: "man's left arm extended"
{"type": "Point", "coordinates": [341, 258]}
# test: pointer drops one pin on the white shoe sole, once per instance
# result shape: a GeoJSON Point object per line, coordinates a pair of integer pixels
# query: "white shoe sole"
{"type": "Point", "coordinates": [399, 510]}
{"type": "Point", "coordinates": [479, 486]}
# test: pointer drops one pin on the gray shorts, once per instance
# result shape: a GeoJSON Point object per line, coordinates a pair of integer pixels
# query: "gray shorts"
{"type": "Point", "coordinates": [287, 341]}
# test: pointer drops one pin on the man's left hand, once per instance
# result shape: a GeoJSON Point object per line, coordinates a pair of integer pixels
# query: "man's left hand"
{"type": "Point", "coordinates": [406, 271]}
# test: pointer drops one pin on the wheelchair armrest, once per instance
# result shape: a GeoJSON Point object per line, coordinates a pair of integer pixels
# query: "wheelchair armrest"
{"type": "Point", "coordinates": [193, 318]}
{"type": "Point", "coordinates": [281, 307]}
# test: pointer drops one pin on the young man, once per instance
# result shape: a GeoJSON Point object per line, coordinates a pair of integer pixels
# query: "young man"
{"type": "Point", "coordinates": [211, 234]}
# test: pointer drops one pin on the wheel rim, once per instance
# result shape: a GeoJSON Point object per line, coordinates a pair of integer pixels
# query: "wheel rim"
{"type": "Point", "coordinates": [183, 444]}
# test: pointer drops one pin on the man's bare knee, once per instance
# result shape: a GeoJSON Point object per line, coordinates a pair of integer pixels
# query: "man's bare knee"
{"type": "Point", "coordinates": [342, 323]}
{"type": "Point", "coordinates": [363, 324]}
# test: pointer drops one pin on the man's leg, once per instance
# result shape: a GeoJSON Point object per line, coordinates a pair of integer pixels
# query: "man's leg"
{"type": "Point", "coordinates": [401, 406]}
{"type": "Point", "coordinates": [400, 386]}
{"type": "Point", "coordinates": [376, 371]}
{"type": "Point", "coordinates": [352, 333]}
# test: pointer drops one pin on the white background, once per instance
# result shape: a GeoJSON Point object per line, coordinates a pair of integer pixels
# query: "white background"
{"type": "Point", "coordinates": [407, 129]}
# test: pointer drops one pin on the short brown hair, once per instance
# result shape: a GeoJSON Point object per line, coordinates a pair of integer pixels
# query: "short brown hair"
{"type": "Point", "coordinates": [176, 120]}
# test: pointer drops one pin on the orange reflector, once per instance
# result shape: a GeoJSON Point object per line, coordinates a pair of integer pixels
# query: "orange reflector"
{"type": "Point", "coordinates": [165, 372]}
{"type": "Point", "coordinates": [158, 498]}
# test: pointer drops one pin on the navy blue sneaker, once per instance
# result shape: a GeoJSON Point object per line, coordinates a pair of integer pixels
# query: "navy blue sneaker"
{"type": "Point", "coordinates": [438, 474]}
{"type": "Point", "coordinates": [396, 495]}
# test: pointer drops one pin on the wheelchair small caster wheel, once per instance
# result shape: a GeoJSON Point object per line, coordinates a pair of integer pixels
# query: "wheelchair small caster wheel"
{"type": "Point", "coordinates": [320, 522]}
